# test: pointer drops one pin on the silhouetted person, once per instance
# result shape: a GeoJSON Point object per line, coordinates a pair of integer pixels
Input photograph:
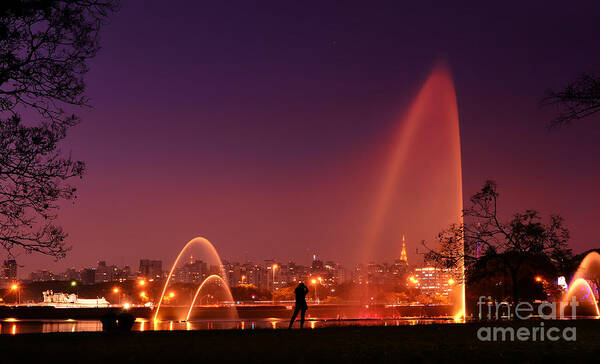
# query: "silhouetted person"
{"type": "Point", "coordinates": [301, 305]}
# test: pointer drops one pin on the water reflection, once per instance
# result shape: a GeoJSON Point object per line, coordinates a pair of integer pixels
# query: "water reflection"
{"type": "Point", "coordinates": [48, 326]}
{"type": "Point", "coordinates": [13, 326]}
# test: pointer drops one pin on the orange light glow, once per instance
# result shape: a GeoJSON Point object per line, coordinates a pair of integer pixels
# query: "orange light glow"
{"type": "Point", "coordinates": [313, 281]}
{"type": "Point", "coordinates": [451, 281]}
{"type": "Point", "coordinates": [143, 294]}
{"type": "Point", "coordinates": [538, 279]}
{"type": "Point", "coordinates": [14, 287]}
{"type": "Point", "coordinates": [580, 282]}
{"type": "Point", "coordinates": [434, 108]}
{"type": "Point", "coordinates": [142, 282]}
{"type": "Point", "coordinates": [203, 242]}
{"type": "Point", "coordinates": [172, 294]}
{"type": "Point", "coordinates": [116, 290]}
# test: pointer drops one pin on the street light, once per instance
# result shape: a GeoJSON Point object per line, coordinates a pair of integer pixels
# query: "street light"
{"type": "Point", "coordinates": [275, 266]}
{"type": "Point", "coordinates": [116, 291]}
{"type": "Point", "coordinates": [15, 287]}
{"type": "Point", "coordinates": [314, 282]}
{"type": "Point", "coordinates": [538, 279]}
{"type": "Point", "coordinates": [142, 282]}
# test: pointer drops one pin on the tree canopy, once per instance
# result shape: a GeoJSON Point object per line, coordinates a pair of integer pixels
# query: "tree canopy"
{"type": "Point", "coordinates": [44, 49]}
{"type": "Point", "coordinates": [489, 247]}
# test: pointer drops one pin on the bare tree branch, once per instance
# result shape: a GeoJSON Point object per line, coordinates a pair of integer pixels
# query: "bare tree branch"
{"type": "Point", "coordinates": [577, 100]}
{"type": "Point", "coordinates": [44, 49]}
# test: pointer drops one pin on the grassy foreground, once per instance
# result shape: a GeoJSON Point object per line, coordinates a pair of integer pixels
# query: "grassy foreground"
{"type": "Point", "coordinates": [423, 343]}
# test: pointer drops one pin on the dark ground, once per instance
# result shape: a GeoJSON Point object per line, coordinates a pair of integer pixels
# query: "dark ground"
{"type": "Point", "coordinates": [425, 343]}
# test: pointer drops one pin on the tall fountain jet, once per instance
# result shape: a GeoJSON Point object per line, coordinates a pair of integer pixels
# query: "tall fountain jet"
{"type": "Point", "coordinates": [423, 173]}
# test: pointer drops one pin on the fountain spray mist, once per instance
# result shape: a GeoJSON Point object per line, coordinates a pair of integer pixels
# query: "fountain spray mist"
{"type": "Point", "coordinates": [215, 256]}
{"type": "Point", "coordinates": [589, 268]}
{"type": "Point", "coordinates": [425, 161]}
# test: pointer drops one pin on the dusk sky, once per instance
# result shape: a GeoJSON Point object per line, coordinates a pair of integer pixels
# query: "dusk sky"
{"type": "Point", "coordinates": [266, 127]}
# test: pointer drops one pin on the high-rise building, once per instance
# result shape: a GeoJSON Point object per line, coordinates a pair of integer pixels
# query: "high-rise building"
{"type": "Point", "coordinates": [88, 275]}
{"type": "Point", "coordinates": [9, 270]}
{"type": "Point", "coordinates": [151, 269]}
{"type": "Point", "coordinates": [42, 275]}
{"type": "Point", "coordinates": [433, 281]}
{"type": "Point", "coordinates": [403, 256]}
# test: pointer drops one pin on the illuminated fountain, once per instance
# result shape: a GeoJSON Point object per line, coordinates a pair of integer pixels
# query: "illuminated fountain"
{"type": "Point", "coordinates": [580, 287]}
{"type": "Point", "coordinates": [576, 289]}
{"type": "Point", "coordinates": [221, 277]}
{"type": "Point", "coordinates": [589, 267]}
{"type": "Point", "coordinates": [208, 279]}
{"type": "Point", "coordinates": [424, 173]}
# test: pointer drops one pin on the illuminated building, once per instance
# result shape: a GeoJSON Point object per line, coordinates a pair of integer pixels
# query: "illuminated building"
{"type": "Point", "coordinates": [151, 269]}
{"type": "Point", "coordinates": [432, 281]}
{"type": "Point", "coordinates": [88, 275]}
{"type": "Point", "coordinates": [42, 275]}
{"type": "Point", "coordinates": [9, 270]}
{"type": "Point", "coordinates": [403, 256]}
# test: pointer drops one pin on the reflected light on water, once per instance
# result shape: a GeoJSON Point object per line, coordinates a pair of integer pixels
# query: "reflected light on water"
{"type": "Point", "coordinates": [142, 325]}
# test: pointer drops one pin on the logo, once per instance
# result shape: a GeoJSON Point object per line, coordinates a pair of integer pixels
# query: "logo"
{"type": "Point", "coordinates": [523, 311]}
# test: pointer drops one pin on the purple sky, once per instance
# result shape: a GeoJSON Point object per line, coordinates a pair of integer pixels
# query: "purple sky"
{"type": "Point", "coordinates": [265, 127]}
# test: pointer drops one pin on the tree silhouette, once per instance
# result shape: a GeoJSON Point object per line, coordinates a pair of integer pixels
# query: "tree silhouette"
{"type": "Point", "coordinates": [509, 249]}
{"type": "Point", "coordinates": [577, 100]}
{"type": "Point", "coordinates": [44, 47]}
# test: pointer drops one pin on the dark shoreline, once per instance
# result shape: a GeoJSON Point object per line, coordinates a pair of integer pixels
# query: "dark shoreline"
{"type": "Point", "coordinates": [418, 343]}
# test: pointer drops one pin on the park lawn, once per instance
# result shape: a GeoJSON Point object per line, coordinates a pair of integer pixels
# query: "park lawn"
{"type": "Point", "coordinates": [440, 343]}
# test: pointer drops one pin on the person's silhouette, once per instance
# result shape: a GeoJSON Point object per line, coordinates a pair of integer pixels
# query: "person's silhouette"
{"type": "Point", "coordinates": [301, 305]}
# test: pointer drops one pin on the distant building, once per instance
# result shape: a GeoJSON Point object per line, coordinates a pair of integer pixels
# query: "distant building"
{"type": "Point", "coordinates": [88, 275]}
{"type": "Point", "coordinates": [433, 281]}
{"type": "Point", "coordinates": [403, 256]}
{"type": "Point", "coordinates": [316, 265]}
{"type": "Point", "coordinates": [71, 274]}
{"type": "Point", "coordinates": [194, 271]}
{"type": "Point", "coordinates": [151, 269]}
{"type": "Point", "coordinates": [9, 270]}
{"type": "Point", "coordinates": [42, 275]}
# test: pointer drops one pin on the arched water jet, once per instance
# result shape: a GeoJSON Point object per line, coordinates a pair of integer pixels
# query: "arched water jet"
{"type": "Point", "coordinates": [580, 282]}
{"type": "Point", "coordinates": [209, 278]}
{"type": "Point", "coordinates": [433, 114]}
{"type": "Point", "coordinates": [589, 267]}
{"type": "Point", "coordinates": [204, 242]}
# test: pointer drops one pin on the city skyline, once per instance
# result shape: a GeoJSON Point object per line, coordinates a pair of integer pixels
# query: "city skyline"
{"type": "Point", "coordinates": [415, 258]}
{"type": "Point", "coordinates": [24, 274]}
